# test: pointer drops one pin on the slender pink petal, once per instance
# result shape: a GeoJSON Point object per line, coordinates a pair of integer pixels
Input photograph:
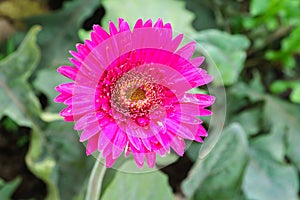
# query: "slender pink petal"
{"type": "Point", "coordinates": [187, 50]}
{"type": "Point", "coordinates": [178, 145]}
{"type": "Point", "coordinates": [168, 26]}
{"type": "Point", "coordinates": [197, 61]}
{"type": "Point", "coordinates": [158, 24]}
{"type": "Point", "coordinates": [110, 161]}
{"type": "Point", "coordinates": [69, 72]}
{"type": "Point", "coordinates": [150, 159]}
{"type": "Point", "coordinates": [101, 32]}
{"type": "Point", "coordinates": [91, 145]}
{"type": "Point", "coordinates": [124, 26]}
{"type": "Point", "coordinates": [148, 23]}
{"type": "Point", "coordinates": [138, 24]}
{"type": "Point", "coordinates": [112, 28]}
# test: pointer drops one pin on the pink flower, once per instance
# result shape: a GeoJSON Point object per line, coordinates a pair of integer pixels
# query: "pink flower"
{"type": "Point", "coordinates": [130, 92]}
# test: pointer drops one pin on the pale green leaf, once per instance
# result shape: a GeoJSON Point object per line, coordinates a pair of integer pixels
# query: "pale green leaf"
{"type": "Point", "coordinates": [8, 188]}
{"type": "Point", "coordinates": [72, 164]}
{"type": "Point", "coordinates": [280, 115]}
{"type": "Point", "coordinates": [153, 185]}
{"type": "Point", "coordinates": [267, 177]}
{"type": "Point", "coordinates": [250, 120]}
{"type": "Point", "coordinates": [59, 34]}
{"type": "Point", "coordinates": [18, 101]}
{"type": "Point", "coordinates": [172, 11]}
{"type": "Point", "coordinates": [258, 7]}
{"type": "Point", "coordinates": [41, 163]}
{"type": "Point", "coordinates": [218, 176]}
{"type": "Point", "coordinates": [225, 52]}
{"type": "Point", "coordinates": [295, 95]}
{"type": "Point", "coordinates": [84, 35]}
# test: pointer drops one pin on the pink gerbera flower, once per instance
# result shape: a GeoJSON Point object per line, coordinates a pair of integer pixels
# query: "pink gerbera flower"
{"type": "Point", "coordinates": [130, 92]}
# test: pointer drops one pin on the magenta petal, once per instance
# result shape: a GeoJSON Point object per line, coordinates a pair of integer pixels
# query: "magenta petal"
{"type": "Point", "coordinates": [158, 24]}
{"type": "Point", "coordinates": [176, 129]}
{"type": "Point", "coordinates": [146, 143]}
{"type": "Point", "coordinates": [101, 32]}
{"type": "Point", "coordinates": [120, 139]}
{"type": "Point", "coordinates": [107, 150]}
{"type": "Point", "coordinates": [75, 62]}
{"type": "Point", "coordinates": [91, 145]}
{"type": "Point", "coordinates": [112, 28]}
{"type": "Point", "coordinates": [138, 157]}
{"type": "Point", "coordinates": [187, 51]}
{"type": "Point", "coordinates": [124, 26]}
{"type": "Point", "coordinates": [148, 23]}
{"type": "Point", "coordinates": [168, 26]}
{"type": "Point", "coordinates": [67, 71]}
{"type": "Point", "coordinates": [205, 112]}
{"type": "Point", "coordinates": [197, 61]}
{"type": "Point", "coordinates": [116, 152]}
{"type": "Point", "coordinates": [176, 42]}
{"type": "Point", "coordinates": [202, 100]}
{"type": "Point", "coordinates": [62, 97]}
{"type": "Point", "coordinates": [134, 141]}
{"type": "Point", "coordinates": [150, 159]}
{"type": "Point", "coordinates": [90, 131]}
{"type": "Point", "coordinates": [138, 24]}
{"type": "Point", "coordinates": [102, 142]}
{"type": "Point", "coordinates": [84, 121]}
{"type": "Point", "coordinates": [96, 38]}
{"type": "Point", "coordinates": [178, 145]}
{"type": "Point", "coordinates": [65, 88]}
{"type": "Point", "coordinates": [78, 56]}
{"type": "Point", "coordinates": [109, 161]}
{"type": "Point", "coordinates": [201, 131]}
{"type": "Point", "coordinates": [83, 49]}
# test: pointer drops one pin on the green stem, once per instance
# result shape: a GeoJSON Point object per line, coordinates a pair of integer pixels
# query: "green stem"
{"type": "Point", "coordinates": [95, 182]}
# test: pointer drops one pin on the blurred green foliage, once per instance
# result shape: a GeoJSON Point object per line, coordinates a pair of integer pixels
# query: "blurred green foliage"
{"type": "Point", "coordinates": [254, 45]}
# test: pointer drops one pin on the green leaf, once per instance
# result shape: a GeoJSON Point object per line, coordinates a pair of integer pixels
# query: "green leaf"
{"type": "Point", "coordinates": [285, 116]}
{"type": "Point", "coordinates": [7, 189]}
{"type": "Point", "coordinates": [72, 165]}
{"type": "Point", "coordinates": [250, 120]}
{"type": "Point", "coordinates": [225, 52]}
{"type": "Point", "coordinates": [280, 86]}
{"type": "Point", "coordinates": [41, 163]}
{"type": "Point", "coordinates": [18, 101]}
{"type": "Point", "coordinates": [169, 10]}
{"type": "Point", "coordinates": [290, 46]}
{"type": "Point", "coordinates": [144, 186]}
{"type": "Point", "coordinates": [258, 7]}
{"type": "Point", "coordinates": [59, 34]}
{"type": "Point", "coordinates": [295, 95]}
{"type": "Point", "coordinates": [45, 82]}
{"type": "Point", "coordinates": [201, 11]}
{"type": "Point", "coordinates": [193, 151]}
{"type": "Point", "coordinates": [267, 178]}
{"type": "Point", "coordinates": [84, 35]}
{"type": "Point", "coordinates": [218, 176]}
{"type": "Point", "coordinates": [280, 115]}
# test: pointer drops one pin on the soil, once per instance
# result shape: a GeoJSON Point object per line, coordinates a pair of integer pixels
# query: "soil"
{"type": "Point", "coordinates": [13, 148]}
{"type": "Point", "coordinates": [177, 172]}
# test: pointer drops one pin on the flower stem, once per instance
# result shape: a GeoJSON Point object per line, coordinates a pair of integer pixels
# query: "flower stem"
{"type": "Point", "coordinates": [95, 181]}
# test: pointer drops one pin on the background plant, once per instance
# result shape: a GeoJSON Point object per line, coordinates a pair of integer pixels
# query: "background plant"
{"type": "Point", "coordinates": [255, 46]}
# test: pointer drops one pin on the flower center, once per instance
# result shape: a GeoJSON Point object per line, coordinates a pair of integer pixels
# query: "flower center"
{"type": "Point", "coordinates": [135, 94]}
{"type": "Point", "coordinates": [138, 94]}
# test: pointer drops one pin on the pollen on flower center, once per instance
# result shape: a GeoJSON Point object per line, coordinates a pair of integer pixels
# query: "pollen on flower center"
{"type": "Point", "coordinates": [138, 94]}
